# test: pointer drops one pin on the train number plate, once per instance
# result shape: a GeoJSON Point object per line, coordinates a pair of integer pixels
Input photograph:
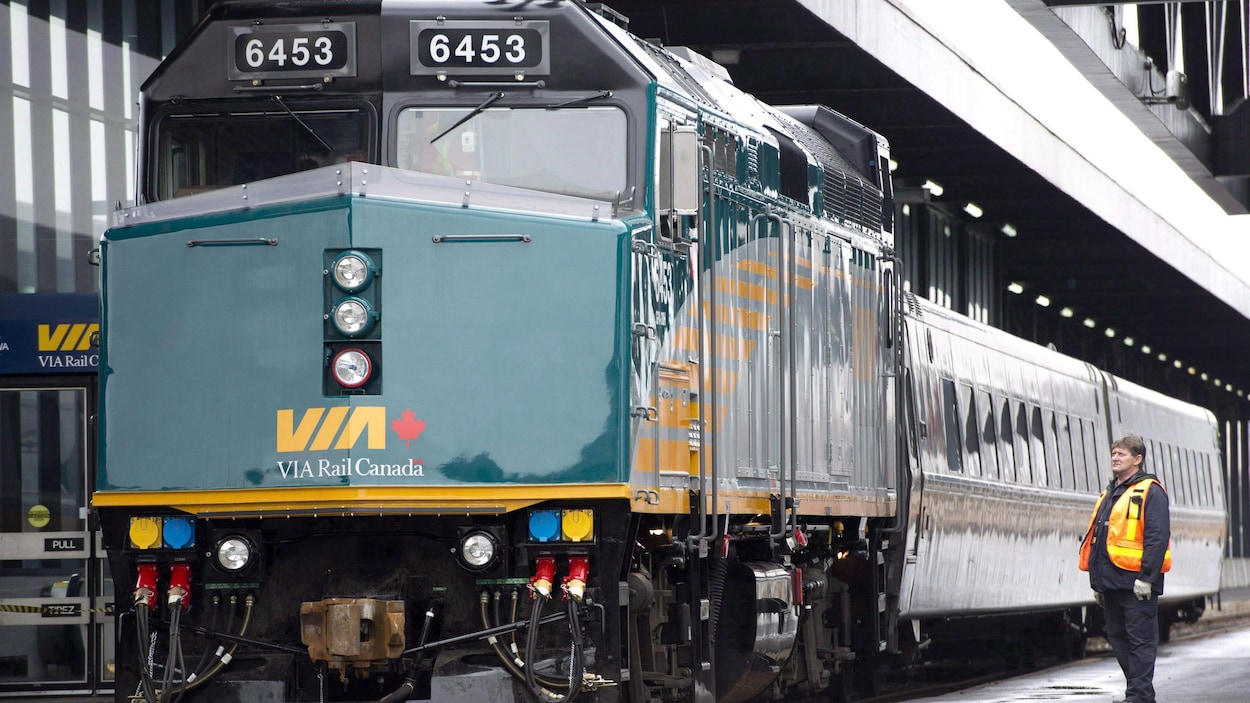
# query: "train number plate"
{"type": "Point", "coordinates": [478, 47]}
{"type": "Point", "coordinates": [293, 51]}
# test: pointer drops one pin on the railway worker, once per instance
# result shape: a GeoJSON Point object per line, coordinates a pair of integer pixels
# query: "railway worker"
{"type": "Point", "coordinates": [1126, 552]}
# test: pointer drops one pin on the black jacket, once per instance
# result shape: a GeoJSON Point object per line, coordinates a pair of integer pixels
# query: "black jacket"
{"type": "Point", "coordinates": [1105, 576]}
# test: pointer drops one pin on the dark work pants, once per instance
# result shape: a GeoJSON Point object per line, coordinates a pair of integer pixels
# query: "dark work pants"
{"type": "Point", "coordinates": [1133, 631]}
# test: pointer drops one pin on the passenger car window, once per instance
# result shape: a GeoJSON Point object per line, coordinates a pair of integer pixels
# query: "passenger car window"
{"type": "Point", "coordinates": [972, 435]}
{"type": "Point", "coordinates": [954, 447]}
{"type": "Point", "coordinates": [1006, 442]}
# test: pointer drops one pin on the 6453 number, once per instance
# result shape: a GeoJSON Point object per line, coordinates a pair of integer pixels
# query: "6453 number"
{"type": "Point", "coordinates": [292, 51]}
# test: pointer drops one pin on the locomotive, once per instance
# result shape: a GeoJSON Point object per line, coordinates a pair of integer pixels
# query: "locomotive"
{"type": "Point", "coordinates": [480, 350]}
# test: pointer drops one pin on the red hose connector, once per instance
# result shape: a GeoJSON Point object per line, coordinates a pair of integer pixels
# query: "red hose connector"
{"type": "Point", "coordinates": [544, 576]}
{"type": "Point", "coordinates": [579, 574]}
{"type": "Point", "coordinates": [145, 586]}
{"type": "Point", "coordinates": [180, 585]}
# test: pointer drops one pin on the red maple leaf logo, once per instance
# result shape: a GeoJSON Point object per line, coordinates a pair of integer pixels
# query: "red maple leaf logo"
{"type": "Point", "coordinates": [408, 427]}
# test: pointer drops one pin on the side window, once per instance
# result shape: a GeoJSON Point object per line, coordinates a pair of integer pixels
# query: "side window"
{"type": "Point", "coordinates": [1063, 432]}
{"type": "Point", "coordinates": [1093, 458]}
{"type": "Point", "coordinates": [989, 447]}
{"type": "Point", "coordinates": [1184, 475]}
{"type": "Point", "coordinates": [954, 448]}
{"type": "Point", "coordinates": [1157, 466]}
{"type": "Point", "coordinates": [1024, 461]}
{"type": "Point", "coordinates": [1037, 452]}
{"type": "Point", "coordinates": [1049, 433]}
{"type": "Point", "coordinates": [909, 410]}
{"type": "Point", "coordinates": [1006, 443]}
{"type": "Point", "coordinates": [972, 434]}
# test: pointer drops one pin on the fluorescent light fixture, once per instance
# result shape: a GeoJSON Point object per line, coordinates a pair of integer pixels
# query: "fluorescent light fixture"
{"type": "Point", "coordinates": [1043, 301]}
{"type": "Point", "coordinates": [1192, 371]}
{"type": "Point", "coordinates": [1205, 377]}
{"type": "Point", "coordinates": [1109, 332]}
{"type": "Point", "coordinates": [1145, 348]}
{"type": "Point", "coordinates": [1218, 383]}
{"type": "Point", "coordinates": [1008, 230]}
{"type": "Point", "coordinates": [1128, 341]}
{"type": "Point", "coordinates": [1177, 363]}
{"type": "Point", "coordinates": [893, 165]}
{"type": "Point", "coordinates": [1089, 323]}
{"type": "Point", "coordinates": [1163, 357]}
{"type": "Point", "coordinates": [934, 189]}
{"type": "Point", "coordinates": [1240, 393]}
{"type": "Point", "coordinates": [1066, 312]}
{"type": "Point", "coordinates": [1015, 288]}
{"type": "Point", "coordinates": [974, 210]}
{"type": "Point", "coordinates": [1228, 387]}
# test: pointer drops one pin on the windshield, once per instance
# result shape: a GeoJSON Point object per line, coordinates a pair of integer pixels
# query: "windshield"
{"type": "Point", "coordinates": [203, 151]}
{"type": "Point", "coordinates": [576, 151]}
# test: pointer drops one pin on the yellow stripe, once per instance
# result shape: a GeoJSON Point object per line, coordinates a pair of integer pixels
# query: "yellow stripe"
{"type": "Point", "coordinates": [746, 502]}
{"type": "Point", "coordinates": [71, 340]}
{"type": "Point", "coordinates": [329, 428]}
{"type": "Point", "coordinates": [741, 317]}
{"type": "Point", "coordinates": [687, 339]}
{"type": "Point", "coordinates": [360, 500]}
{"type": "Point", "coordinates": [750, 291]}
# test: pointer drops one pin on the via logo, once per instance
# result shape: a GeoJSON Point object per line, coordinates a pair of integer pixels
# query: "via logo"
{"type": "Point", "coordinates": [339, 427]}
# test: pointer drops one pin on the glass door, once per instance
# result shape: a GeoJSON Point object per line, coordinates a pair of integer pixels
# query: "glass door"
{"type": "Point", "coordinates": [53, 588]}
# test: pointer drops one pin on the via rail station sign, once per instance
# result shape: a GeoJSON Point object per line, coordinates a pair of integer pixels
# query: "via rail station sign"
{"type": "Point", "coordinates": [49, 333]}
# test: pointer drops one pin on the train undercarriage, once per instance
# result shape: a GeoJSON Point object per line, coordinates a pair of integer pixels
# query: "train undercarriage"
{"type": "Point", "coordinates": [386, 609]}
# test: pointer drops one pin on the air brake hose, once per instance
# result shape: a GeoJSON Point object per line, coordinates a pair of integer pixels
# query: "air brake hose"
{"type": "Point", "coordinates": [513, 663]}
{"type": "Point", "coordinates": [410, 683]}
{"type": "Point", "coordinates": [577, 665]}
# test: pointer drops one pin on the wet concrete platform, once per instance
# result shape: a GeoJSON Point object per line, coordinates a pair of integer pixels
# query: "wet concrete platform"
{"type": "Point", "coordinates": [1211, 669]}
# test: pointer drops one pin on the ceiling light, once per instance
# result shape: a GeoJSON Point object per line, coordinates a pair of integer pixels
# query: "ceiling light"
{"type": "Point", "coordinates": [1163, 357]}
{"type": "Point", "coordinates": [1205, 377]}
{"type": "Point", "coordinates": [893, 165]}
{"type": "Point", "coordinates": [1128, 341]}
{"type": "Point", "coordinates": [1145, 348]}
{"type": "Point", "coordinates": [1015, 288]}
{"type": "Point", "coordinates": [1218, 383]}
{"type": "Point", "coordinates": [934, 189]}
{"type": "Point", "coordinates": [1008, 230]}
{"type": "Point", "coordinates": [1043, 301]}
{"type": "Point", "coordinates": [1109, 332]}
{"type": "Point", "coordinates": [1066, 312]}
{"type": "Point", "coordinates": [1228, 387]}
{"type": "Point", "coordinates": [1192, 371]}
{"type": "Point", "coordinates": [1177, 363]}
{"type": "Point", "coordinates": [974, 210]}
{"type": "Point", "coordinates": [1089, 323]}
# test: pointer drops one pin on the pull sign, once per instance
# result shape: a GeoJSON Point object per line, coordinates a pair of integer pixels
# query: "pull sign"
{"type": "Point", "coordinates": [64, 544]}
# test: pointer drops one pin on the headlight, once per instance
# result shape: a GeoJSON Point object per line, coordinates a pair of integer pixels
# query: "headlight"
{"type": "Point", "coordinates": [353, 317]}
{"type": "Point", "coordinates": [352, 368]}
{"type": "Point", "coordinates": [478, 550]}
{"type": "Point", "coordinates": [352, 271]}
{"type": "Point", "coordinates": [234, 553]}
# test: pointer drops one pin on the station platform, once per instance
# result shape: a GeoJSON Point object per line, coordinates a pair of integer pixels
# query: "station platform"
{"type": "Point", "coordinates": [1205, 669]}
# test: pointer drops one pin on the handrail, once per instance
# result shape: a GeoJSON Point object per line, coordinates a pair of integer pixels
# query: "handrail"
{"type": "Point", "coordinates": [707, 450]}
{"type": "Point", "coordinates": [768, 214]}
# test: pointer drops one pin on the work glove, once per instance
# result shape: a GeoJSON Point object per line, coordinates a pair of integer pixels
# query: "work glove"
{"type": "Point", "coordinates": [1141, 589]}
{"type": "Point", "coordinates": [1098, 598]}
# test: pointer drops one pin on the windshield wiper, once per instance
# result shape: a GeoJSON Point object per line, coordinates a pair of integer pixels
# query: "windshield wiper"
{"type": "Point", "coordinates": [583, 99]}
{"type": "Point", "coordinates": [472, 113]}
{"type": "Point", "coordinates": [302, 123]}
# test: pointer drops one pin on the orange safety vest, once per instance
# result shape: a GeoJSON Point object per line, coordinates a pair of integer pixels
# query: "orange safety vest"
{"type": "Point", "coordinates": [1125, 533]}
